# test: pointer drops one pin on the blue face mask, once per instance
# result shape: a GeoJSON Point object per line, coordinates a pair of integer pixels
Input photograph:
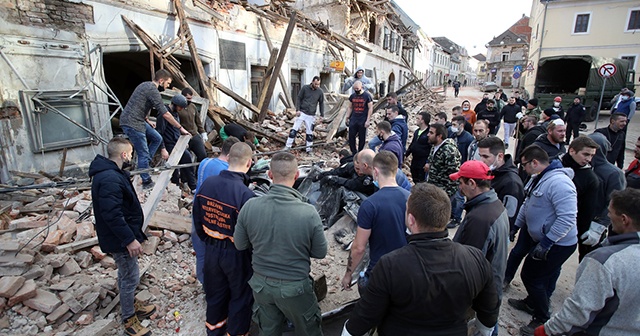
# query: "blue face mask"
{"type": "Point", "coordinates": [375, 183]}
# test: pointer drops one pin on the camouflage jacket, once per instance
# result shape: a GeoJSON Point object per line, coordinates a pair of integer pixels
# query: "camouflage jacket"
{"type": "Point", "coordinates": [442, 163]}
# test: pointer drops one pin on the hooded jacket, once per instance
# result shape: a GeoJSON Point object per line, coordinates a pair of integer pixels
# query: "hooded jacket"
{"type": "Point", "coordinates": [392, 144]}
{"type": "Point", "coordinates": [554, 151]}
{"type": "Point", "coordinates": [117, 210]}
{"type": "Point", "coordinates": [611, 178]}
{"type": "Point", "coordinates": [399, 127]}
{"type": "Point", "coordinates": [367, 85]}
{"type": "Point", "coordinates": [486, 227]}
{"type": "Point", "coordinates": [481, 105]}
{"type": "Point", "coordinates": [575, 114]}
{"type": "Point", "coordinates": [463, 140]}
{"type": "Point", "coordinates": [509, 113]}
{"type": "Point", "coordinates": [509, 187]}
{"type": "Point", "coordinates": [588, 187]}
{"type": "Point", "coordinates": [528, 139]}
{"type": "Point", "coordinates": [618, 143]}
{"type": "Point", "coordinates": [492, 116]}
{"type": "Point", "coordinates": [550, 207]}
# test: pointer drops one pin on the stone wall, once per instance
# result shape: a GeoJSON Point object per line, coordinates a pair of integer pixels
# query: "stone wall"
{"type": "Point", "coordinates": [58, 14]}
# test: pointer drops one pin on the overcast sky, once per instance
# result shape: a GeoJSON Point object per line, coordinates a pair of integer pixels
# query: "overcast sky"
{"type": "Point", "coordinates": [466, 22]}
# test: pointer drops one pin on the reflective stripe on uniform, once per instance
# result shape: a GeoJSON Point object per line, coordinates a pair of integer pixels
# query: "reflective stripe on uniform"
{"type": "Point", "coordinates": [216, 234]}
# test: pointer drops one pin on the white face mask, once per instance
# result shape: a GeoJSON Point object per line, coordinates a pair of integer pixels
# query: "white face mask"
{"type": "Point", "coordinates": [454, 129]}
{"type": "Point", "coordinates": [624, 97]}
{"type": "Point", "coordinates": [465, 109]}
{"type": "Point", "coordinates": [556, 104]}
{"type": "Point", "coordinates": [494, 165]}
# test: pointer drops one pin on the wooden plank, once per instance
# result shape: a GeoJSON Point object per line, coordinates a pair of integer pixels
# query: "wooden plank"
{"type": "Point", "coordinates": [337, 121]}
{"type": "Point", "coordinates": [195, 58]}
{"type": "Point", "coordinates": [163, 180]}
{"type": "Point", "coordinates": [79, 245]}
{"type": "Point", "coordinates": [283, 82]}
{"type": "Point", "coordinates": [173, 222]}
{"type": "Point", "coordinates": [267, 76]}
{"type": "Point", "coordinates": [63, 162]}
{"type": "Point", "coordinates": [209, 10]}
{"type": "Point", "coordinates": [278, 66]}
{"type": "Point", "coordinates": [234, 96]}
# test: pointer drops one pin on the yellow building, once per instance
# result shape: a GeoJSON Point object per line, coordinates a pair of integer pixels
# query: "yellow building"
{"type": "Point", "coordinates": [604, 28]}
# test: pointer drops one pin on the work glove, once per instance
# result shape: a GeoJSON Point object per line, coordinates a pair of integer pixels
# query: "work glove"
{"type": "Point", "coordinates": [512, 233]}
{"type": "Point", "coordinates": [542, 249]}
{"type": "Point", "coordinates": [204, 136]}
{"type": "Point", "coordinates": [592, 237]}
{"type": "Point", "coordinates": [519, 115]}
{"type": "Point", "coordinates": [540, 331]}
{"type": "Point", "coordinates": [476, 328]}
{"type": "Point", "coordinates": [346, 122]}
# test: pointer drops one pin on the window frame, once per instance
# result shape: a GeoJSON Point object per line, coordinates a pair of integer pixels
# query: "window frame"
{"type": "Point", "coordinates": [635, 59]}
{"type": "Point", "coordinates": [575, 20]}
{"type": "Point", "coordinates": [33, 117]}
{"type": "Point", "coordinates": [626, 23]}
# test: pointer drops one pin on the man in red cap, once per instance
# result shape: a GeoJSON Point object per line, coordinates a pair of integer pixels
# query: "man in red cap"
{"type": "Point", "coordinates": [556, 108]}
{"type": "Point", "coordinates": [486, 225]}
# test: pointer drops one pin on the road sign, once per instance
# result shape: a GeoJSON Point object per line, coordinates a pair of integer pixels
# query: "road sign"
{"type": "Point", "coordinates": [529, 67]}
{"type": "Point", "coordinates": [517, 68]}
{"type": "Point", "coordinates": [516, 75]}
{"type": "Point", "coordinates": [607, 70]}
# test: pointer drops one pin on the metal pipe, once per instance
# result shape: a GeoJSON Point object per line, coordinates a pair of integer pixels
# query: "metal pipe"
{"type": "Point", "coordinates": [13, 68]}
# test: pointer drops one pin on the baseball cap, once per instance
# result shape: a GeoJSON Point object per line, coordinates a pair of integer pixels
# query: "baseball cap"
{"type": "Point", "coordinates": [557, 99]}
{"type": "Point", "coordinates": [473, 169]}
{"type": "Point", "coordinates": [179, 100]}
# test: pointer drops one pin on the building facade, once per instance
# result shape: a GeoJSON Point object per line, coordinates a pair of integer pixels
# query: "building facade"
{"type": "Point", "coordinates": [507, 55]}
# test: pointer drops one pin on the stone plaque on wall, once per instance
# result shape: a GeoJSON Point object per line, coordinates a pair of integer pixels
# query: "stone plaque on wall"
{"type": "Point", "coordinates": [232, 55]}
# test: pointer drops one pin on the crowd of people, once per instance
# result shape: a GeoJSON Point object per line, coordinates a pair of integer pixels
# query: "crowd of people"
{"type": "Point", "coordinates": [253, 254]}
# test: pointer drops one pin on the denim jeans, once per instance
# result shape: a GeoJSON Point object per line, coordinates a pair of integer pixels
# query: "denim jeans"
{"type": "Point", "coordinates": [374, 142]}
{"type": "Point", "coordinates": [539, 278]}
{"type": "Point", "coordinates": [128, 279]}
{"type": "Point", "coordinates": [457, 205]}
{"type": "Point", "coordinates": [143, 150]}
{"type": "Point", "coordinates": [524, 244]}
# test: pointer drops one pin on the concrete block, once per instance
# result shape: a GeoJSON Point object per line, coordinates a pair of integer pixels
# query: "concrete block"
{"type": "Point", "coordinates": [27, 291]}
{"type": "Point", "coordinates": [34, 272]}
{"type": "Point", "coordinates": [9, 285]}
{"type": "Point", "coordinates": [44, 301]}
{"type": "Point", "coordinates": [69, 268]}
{"type": "Point", "coordinates": [56, 260]}
{"type": "Point", "coordinates": [84, 230]}
{"type": "Point", "coordinates": [84, 259]}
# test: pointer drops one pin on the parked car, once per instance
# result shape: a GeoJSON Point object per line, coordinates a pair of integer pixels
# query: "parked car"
{"type": "Point", "coordinates": [489, 86]}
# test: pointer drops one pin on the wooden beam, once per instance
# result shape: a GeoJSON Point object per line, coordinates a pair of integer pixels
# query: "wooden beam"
{"type": "Point", "coordinates": [278, 66]}
{"type": "Point", "coordinates": [235, 96]}
{"type": "Point", "coordinates": [259, 130]}
{"type": "Point", "coordinates": [283, 82]}
{"type": "Point", "coordinates": [78, 245]}
{"type": "Point", "coordinates": [210, 11]}
{"type": "Point", "coordinates": [173, 222]}
{"type": "Point", "coordinates": [186, 31]}
{"type": "Point", "coordinates": [63, 162]}
{"type": "Point", "coordinates": [163, 180]}
{"type": "Point", "coordinates": [267, 76]}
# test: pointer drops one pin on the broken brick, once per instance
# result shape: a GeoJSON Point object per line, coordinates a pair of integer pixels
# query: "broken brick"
{"type": "Point", "coordinates": [27, 291]}
{"type": "Point", "coordinates": [84, 230]}
{"type": "Point", "coordinates": [81, 206]}
{"type": "Point", "coordinates": [170, 236]}
{"type": "Point", "coordinates": [63, 285]}
{"type": "Point", "coordinates": [108, 262]}
{"type": "Point", "coordinates": [85, 319]}
{"type": "Point", "coordinates": [69, 299]}
{"type": "Point", "coordinates": [44, 301]}
{"type": "Point", "coordinates": [97, 253]}
{"type": "Point", "coordinates": [84, 259]}
{"type": "Point", "coordinates": [56, 260]}
{"type": "Point", "coordinates": [58, 312]}
{"type": "Point", "coordinates": [150, 245]}
{"type": "Point", "coordinates": [69, 268]}
{"type": "Point", "coordinates": [9, 285]}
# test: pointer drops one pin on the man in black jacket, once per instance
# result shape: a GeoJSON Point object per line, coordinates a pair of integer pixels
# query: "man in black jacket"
{"type": "Point", "coordinates": [420, 147]}
{"type": "Point", "coordinates": [616, 135]}
{"type": "Point", "coordinates": [553, 141]}
{"type": "Point", "coordinates": [573, 118]}
{"type": "Point", "coordinates": [581, 150]}
{"type": "Point", "coordinates": [510, 113]}
{"type": "Point", "coordinates": [118, 222]}
{"type": "Point", "coordinates": [398, 300]}
{"type": "Point", "coordinates": [492, 114]}
{"type": "Point", "coordinates": [351, 177]}
{"type": "Point", "coordinates": [482, 104]}
{"type": "Point", "coordinates": [507, 183]}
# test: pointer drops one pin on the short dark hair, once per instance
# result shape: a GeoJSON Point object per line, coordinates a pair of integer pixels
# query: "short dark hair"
{"type": "Point", "coordinates": [386, 162]}
{"type": "Point", "coordinates": [532, 119]}
{"type": "Point", "coordinates": [384, 126]}
{"type": "Point", "coordinates": [239, 154]}
{"type": "Point", "coordinates": [482, 184]}
{"type": "Point", "coordinates": [492, 101]}
{"type": "Point", "coordinates": [616, 115]}
{"type": "Point", "coordinates": [426, 117]}
{"type": "Point", "coordinates": [227, 144]}
{"type": "Point", "coordinates": [162, 74]}
{"type": "Point", "coordinates": [439, 129]}
{"type": "Point", "coordinates": [393, 108]}
{"type": "Point", "coordinates": [187, 91]}
{"type": "Point", "coordinates": [534, 152]}
{"type": "Point", "coordinates": [116, 146]}
{"type": "Point", "coordinates": [457, 108]}
{"type": "Point", "coordinates": [283, 165]}
{"type": "Point", "coordinates": [627, 202]}
{"type": "Point", "coordinates": [484, 122]}
{"type": "Point", "coordinates": [581, 142]}
{"type": "Point", "coordinates": [441, 115]}
{"type": "Point", "coordinates": [430, 206]}
{"type": "Point", "coordinates": [392, 95]}
{"type": "Point", "coordinates": [315, 78]}
{"type": "Point", "coordinates": [344, 152]}
{"type": "Point", "coordinates": [495, 145]}
{"type": "Point", "coordinates": [459, 119]}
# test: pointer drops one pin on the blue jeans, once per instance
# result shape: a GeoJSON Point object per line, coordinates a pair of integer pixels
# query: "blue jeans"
{"type": "Point", "coordinates": [374, 142]}
{"type": "Point", "coordinates": [540, 276]}
{"type": "Point", "coordinates": [199, 247]}
{"type": "Point", "coordinates": [128, 279]}
{"type": "Point", "coordinates": [457, 205]}
{"type": "Point", "coordinates": [144, 151]}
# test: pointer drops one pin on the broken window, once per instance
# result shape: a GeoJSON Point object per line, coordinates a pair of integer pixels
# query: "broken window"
{"type": "Point", "coordinates": [232, 55]}
{"type": "Point", "coordinates": [394, 42]}
{"type": "Point", "coordinates": [296, 83]}
{"type": "Point", "coordinates": [57, 119]}
{"type": "Point", "coordinates": [387, 38]}
{"type": "Point", "coordinates": [257, 77]}
{"type": "Point", "coordinates": [372, 30]}
{"type": "Point", "coordinates": [631, 59]}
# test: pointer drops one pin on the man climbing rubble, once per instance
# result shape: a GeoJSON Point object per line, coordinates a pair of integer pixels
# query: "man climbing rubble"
{"type": "Point", "coordinates": [309, 97]}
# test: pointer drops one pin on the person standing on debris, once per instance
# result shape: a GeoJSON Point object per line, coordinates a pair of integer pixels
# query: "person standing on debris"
{"type": "Point", "coordinates": [118, 222]}
{"type": "Point", "coordinates": [486, 224]}
{"type": "Point", "coordinates": [358, 76]}
{"type": "Point", "coordinates": [309, 97]}
{"type": "Point", "coordinates": [358, 116]}
{"type": "Point", "coordinates": [170, 136]}
{"type": "Point", "coordinates": [282, 248]}
{"type": "Point", "coordinates": [427, 286]}
{"type": "Point", "coordinates": [548, 220]}
{"type": "Point", "coordinates": [380, 220]}
{"type": "Point", "coordinates": [227, 270]}
{"type": "Point", "coordinates": [190, 120]}
{"type": "Point", "coordinates": [209, 167]}
{"type": "Point", "coordinates": [390, 141]}
{"type": "Point", "coordinates": [420, 147]}
{"type": "Point", "coordinates": [606, 298]}
{"type": "Point", "coordinates": [616, 135]}
{"type": "Point", "coordinates": [136, 125]}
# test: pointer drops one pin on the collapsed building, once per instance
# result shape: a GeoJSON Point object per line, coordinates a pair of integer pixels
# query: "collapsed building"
{"type": "Point", "coordinates": [70, 66]}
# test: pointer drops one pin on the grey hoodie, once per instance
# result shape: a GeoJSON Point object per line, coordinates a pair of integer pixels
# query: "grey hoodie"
{"type": "Point", "coordinates": [611, 178]}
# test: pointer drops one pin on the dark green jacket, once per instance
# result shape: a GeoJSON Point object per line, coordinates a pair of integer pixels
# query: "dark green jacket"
{"type": "Point", "coordinates": [284, 232]}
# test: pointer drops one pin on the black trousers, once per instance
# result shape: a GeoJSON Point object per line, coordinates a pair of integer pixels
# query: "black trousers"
{"type": "Point", "coordinates": [357, 129]}
{"type": "Point", "coordinates": [417, 169]}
